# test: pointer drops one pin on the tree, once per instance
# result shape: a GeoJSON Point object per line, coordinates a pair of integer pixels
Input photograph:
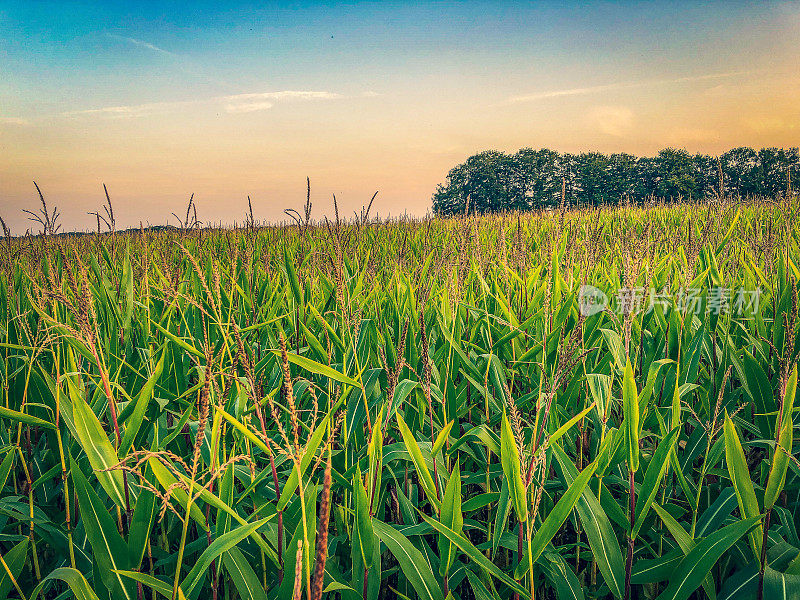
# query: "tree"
{"type": "Point", "coordinates": [776, 168]}
{"type": "Point", "coordinates": [706, 176]}
{"type": "Point", "coordinates": [645, 185]}
{"type": "Point", "coordinates": [593, 178]}
{"type": "Point", "coordinates": [538, 176]}
{"type": "Point", "coordinates": [740, 171]}
{"type": "Point", "coordinates": [622, 177]}
{"type": "Point", "coordinates": [531, 179]}
{"type": "Point", "coordinates": [675, 174]}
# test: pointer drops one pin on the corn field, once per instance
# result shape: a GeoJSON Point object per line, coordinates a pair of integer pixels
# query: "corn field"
{"type": "Point", "coordinates": [426, 408]}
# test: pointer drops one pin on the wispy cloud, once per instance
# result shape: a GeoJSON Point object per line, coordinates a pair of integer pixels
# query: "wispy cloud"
{"type": "Point", "coordinates": [141, 44]}
{"type": "Point", "coordinates": [131, 110]}
{"type": "Point", "coordinates": [596, 89]}
{"type": "Point", "coordinates": [244, 103]}
{"type": "Point", "coordinates": [286, 95]}
{"type": "Point", "coordinates": [182, 62]}
{"type": "Point", "coordinates": [237, 103]}
{"type": "Point", "coordinates": [246, 107]}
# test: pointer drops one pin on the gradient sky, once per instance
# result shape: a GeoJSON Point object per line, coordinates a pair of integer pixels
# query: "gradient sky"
{"type": "Point", "coordinates": [162, 99]}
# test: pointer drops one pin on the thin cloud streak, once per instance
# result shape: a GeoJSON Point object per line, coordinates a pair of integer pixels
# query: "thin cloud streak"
{"type": "Point", "coordinates": [237, 103]}
{"type": "Point", "coordinates": [248, 107]}
{"type": "Point", "coordinates": [142, 44]}
{"type": "Point", "coordinates": [180, 61]}
{"type": "Point", "coordinates": [286, 95]}
{"type": "Point", "coordinates": [133, 110]}
{"type": "Point", "coordinates": [583, 91]}
{"type": "Point", "coordinates": [245, 103]}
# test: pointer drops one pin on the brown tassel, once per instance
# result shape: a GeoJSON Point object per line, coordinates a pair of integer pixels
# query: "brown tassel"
{"type": "Point", "coordinates": [298, 572]}
{"type": "Point", "coordinates": [322, 535]}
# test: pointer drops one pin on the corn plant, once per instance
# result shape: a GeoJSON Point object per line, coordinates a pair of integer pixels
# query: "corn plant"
{"type": "Point", "coordinates": [412, 408]}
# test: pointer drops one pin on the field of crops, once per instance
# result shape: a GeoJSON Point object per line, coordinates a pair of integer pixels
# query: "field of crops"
{"type": "Point", "coordinates": [575, 404]}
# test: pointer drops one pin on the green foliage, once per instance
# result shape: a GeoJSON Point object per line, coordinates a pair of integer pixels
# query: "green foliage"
{"type": "Point", "coordinates": [492, 181]}
{"type": "Point", "coordinates": [171, 401]}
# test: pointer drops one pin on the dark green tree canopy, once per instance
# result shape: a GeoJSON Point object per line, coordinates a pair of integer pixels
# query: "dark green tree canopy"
{"type": "Point", "coordinates": [493, 181]}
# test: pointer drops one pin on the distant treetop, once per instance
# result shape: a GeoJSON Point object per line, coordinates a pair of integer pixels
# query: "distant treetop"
{"type": "Point", "coordinates": [493, 181]}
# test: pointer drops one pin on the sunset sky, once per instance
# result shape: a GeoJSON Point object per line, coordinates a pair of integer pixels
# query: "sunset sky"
{"type": "Point", "coordinates": [159, 100]}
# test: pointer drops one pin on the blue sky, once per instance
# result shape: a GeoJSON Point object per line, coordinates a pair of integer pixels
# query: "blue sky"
{"type": "Point", "coordinates": [159, 100]}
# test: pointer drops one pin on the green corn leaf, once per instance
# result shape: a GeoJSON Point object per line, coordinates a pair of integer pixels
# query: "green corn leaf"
{"type": "Point", "coordinates": [652, 479]}
{"type": "Point", "coordinates": [153, 583]}
{"type": "Point", "coordinates": [676, 402]}
{"type": "Point", "coordinates": [210, 498]}
{"type": "Point", "coordinates": [630, 409]}
{"type": "Point", "coordinates": [314, 343]}
{"type": "Point", "coordinates": [509, 457]}
{"type": "Point", "coordinates": [401, 392]}
{"type": "Point", "coordinates": [697, 564]}
{"type": "Point", "coordinates": [220, 545]}
{"type": "Point", "coordinates": [610, 449]}
{"type": "Point", "coordinates": [569, 424]}
{"type": "Point", "coordinates": [501, 516]}
{"type": "Point", "coordinates": [616, 346]}
{"type": "Point", "coordinates": [20, 417]}
{"type": "Point", "coordinates": [244, 578]}
{"type": "Point", "coordinates": [468, 364]}
{"type": "Point", "coordinates": [141, 524]}
{"type": "Point", "coordinates": [254, 439]}
{"type": "Point", "coordinates": [555, 519]}
{"type": "Point", "coordinates": [109, 549]}
{"type": "Point", "coordinates": [479, 589]}
{"type": "Point", "coordinates": [77, 583]}
{"type": "Point", "coordinates": [99, 451]}
{"type": "Point", "coordinates": [331, 331]}
{"type": "Point", "coordinates": [5, 467]}
{"type": "Point", "coordinates": [441, 439]}
{"type": "Point", "coordinates": [781, 586]}
{"type": "Point", "coordinates": [600, 387]}
{"type": "Point", "coordinates": [561, 576]}
{"type": "Point", "coordinates": [134, 422]}
{"type": "Point", "coordinates": [599, 532]}
{"type": "Point", "coordinates": [424, 475]}
{"type": "Point", "coordinates": [291, 276]}
{"type": "Point", "coordinates": [451, 517]}
{"type": "Point", "coordinates": [314, 367]}
{"type": "Point", "coordinates": [656, 569]}
{"type": "Point", "coordinates": [167, 481]}
{"type": "Point", "coordinates": [742, 484]}
{"type": "Point", "coordinates": [128, 290]}
{"type": "Point", "coordinates": [412, 562]}
{"type": "Point", "coordinates": [685, 543]}
{"type": "Point", "coordinates": [14, 560]}
{"type": "Point", "coordinates": [375, 454]}
{"type": "Point", "coordinates": [363, 534]}
{"type": "Point", "coordinates": [780, 458]}
{"type": "Point", "coordinates": [476, 556]}
{"type": "Point", "coordinates": [181, 342]}
{"type": "Point", "coordinates": [308, 455]}
{"type": "Point", "coordinates": [226, 491]}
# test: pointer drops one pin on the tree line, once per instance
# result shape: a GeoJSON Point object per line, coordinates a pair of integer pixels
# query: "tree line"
{"type": "Point", "coordinates": [494, 181]}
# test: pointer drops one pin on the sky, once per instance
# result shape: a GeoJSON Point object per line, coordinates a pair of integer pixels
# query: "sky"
{"type": "Point", "coordinates": [159, 100]}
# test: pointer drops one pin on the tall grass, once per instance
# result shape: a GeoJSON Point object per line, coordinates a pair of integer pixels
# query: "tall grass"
{"type": "Point", "coordinates": [410, 408]}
